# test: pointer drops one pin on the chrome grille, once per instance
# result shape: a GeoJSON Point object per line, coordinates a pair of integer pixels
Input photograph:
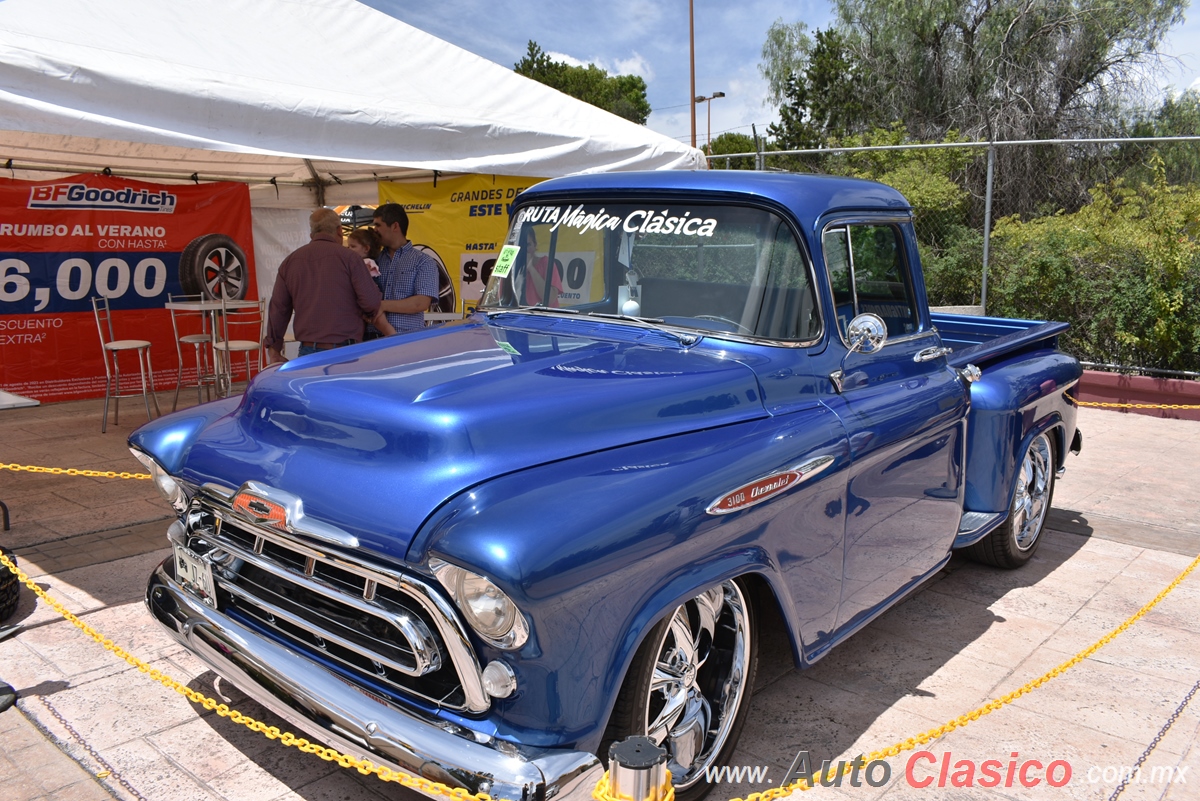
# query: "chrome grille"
{"type": "Point", "coordinates": [384, 627]}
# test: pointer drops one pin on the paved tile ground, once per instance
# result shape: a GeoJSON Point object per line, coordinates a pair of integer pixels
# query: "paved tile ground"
{"type": "Point", "coordinates": [1124, 524]}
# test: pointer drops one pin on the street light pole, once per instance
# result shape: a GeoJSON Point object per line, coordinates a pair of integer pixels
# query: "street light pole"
{"type": "Point", "coordinates": [692, 56]}
{"type": "Point", "coordinates": [708, 99]}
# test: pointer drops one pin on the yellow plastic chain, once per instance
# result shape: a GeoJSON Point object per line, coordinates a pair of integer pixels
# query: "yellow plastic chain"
{"type": "Point", "coordinates": [70, 471]}
{"type": "Point", "coordinates": [602, 790]}
{"type": "Point", "coordinates": [924, 738]}
{"type": "Point", "coordinates": [363, 766]}
{"type": "Point", "coordinates": [1138, 405]}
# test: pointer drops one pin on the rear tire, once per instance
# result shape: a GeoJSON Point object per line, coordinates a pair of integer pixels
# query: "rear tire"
{"type": "Point", "coordinates": [689, 686]}
{"type": "Point", "coordinates": [1014, 542]}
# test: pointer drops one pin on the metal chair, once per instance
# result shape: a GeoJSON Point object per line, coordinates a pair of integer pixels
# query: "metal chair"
{"type": "Point", "coordinates": [239, 323]}
{"type": "Point", "coordinates": [206, 376]}
{"type": "Point", "coordinates": [110, 348]}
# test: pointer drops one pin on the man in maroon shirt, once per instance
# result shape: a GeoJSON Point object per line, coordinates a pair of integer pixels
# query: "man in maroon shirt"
{"type": "Point", "coordinates": [327, 286]}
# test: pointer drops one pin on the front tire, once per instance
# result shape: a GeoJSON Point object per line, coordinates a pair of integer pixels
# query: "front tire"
{"type": "Point", "coordinates": [10, 589]}
{"type": "Point", "coordinates": [1014, 542]}
{"type": "Point", "coordinates": [689, 686]}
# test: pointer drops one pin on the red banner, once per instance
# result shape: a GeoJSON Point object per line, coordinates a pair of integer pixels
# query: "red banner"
{"type": "Point", "coordinates": [67, 241]}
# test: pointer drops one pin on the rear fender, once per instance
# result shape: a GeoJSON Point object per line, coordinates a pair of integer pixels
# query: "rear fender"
{"type": "Point", "coordinates": [1012, 403]}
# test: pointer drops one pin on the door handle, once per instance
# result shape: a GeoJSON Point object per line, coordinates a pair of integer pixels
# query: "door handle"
{"type": "Point", "coordinates": [929, 354]}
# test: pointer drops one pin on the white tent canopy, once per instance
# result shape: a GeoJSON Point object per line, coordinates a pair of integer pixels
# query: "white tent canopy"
{"type": "Point", "coordinates": [307, 93]}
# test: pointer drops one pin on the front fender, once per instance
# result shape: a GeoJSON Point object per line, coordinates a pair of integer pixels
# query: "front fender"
{"type": "Point", "coordinates": [595, 549]}
{"type": "Point", "coordinates": [168, 438]}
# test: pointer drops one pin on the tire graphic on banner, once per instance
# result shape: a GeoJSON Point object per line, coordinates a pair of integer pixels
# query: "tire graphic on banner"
{"type": "Point", "coordinates": [213, 266]}
{"type": "Point", "coordinates": [447, 298]}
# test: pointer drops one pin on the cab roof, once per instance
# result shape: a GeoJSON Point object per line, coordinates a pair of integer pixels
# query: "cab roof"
{"type": "Point", "coordinates": [808, 197]}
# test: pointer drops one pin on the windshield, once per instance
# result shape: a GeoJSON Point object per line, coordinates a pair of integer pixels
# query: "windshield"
{"type": "Point", "coordinates": [713, 268]}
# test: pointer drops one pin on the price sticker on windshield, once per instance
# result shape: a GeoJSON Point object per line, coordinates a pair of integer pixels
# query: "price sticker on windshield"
{"type": "Point", "coordinates": [508, 255]}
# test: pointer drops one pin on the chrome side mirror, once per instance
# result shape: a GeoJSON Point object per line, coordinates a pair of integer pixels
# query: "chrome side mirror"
{"type": "Point", "coordinates": [866, 333]}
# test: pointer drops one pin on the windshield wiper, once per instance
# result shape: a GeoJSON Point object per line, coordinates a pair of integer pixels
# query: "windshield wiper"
{"type": "Point", "coordinates": [650, 323]}
{"type": "Point", "coordinates": [536, 307]}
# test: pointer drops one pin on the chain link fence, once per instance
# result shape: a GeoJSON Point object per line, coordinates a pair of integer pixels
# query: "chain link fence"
{"type": "Point", "coordinates": [1103, 233]}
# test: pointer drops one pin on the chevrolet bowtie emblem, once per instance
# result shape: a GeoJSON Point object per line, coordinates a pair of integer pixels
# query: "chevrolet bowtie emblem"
{"type": "Point", "coordinates": [262, 510]}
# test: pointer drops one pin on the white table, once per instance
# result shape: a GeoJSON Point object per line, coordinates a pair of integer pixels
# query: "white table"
{"type": "Point", "coordinates": [10, 401]}
{"type": "Point", "coordinates": [213, 308]}
{"type": "Point", "coordinates": [434, 318]}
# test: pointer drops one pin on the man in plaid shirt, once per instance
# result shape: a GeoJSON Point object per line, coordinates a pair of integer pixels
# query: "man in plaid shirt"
{"type": "Point", "coordinates": [410, 276]}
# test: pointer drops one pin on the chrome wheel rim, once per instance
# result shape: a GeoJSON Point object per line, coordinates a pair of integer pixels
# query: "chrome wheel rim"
{"type": "Point", "coordinates": [224, 273]}
{"type": "Point", "coordinates": [699, 680]}
{"type": "Point", "coordinates": [1031, 500]}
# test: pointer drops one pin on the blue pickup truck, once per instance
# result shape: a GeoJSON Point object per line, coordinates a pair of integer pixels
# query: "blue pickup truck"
{"type": "Point", "coordinates": [688, 404]}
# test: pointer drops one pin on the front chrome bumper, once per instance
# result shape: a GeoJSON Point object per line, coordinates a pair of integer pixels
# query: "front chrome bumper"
{"type": "Point", "coordinates": [343, 717]}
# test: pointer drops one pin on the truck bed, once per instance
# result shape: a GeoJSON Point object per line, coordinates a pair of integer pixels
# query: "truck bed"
{"type": "Point", "coordinates": [978, 340]}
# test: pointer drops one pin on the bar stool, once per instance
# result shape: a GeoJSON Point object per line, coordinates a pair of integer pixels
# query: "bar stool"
{"type": "Point", "coordinates": [238, 324]}
{"type": "Point", "coordinates": [206, 377]}
{"type": "Point", "coordinates": [110, 347]}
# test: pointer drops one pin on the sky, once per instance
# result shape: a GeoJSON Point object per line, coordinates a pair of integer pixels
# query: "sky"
{"type": "Point", "coordinates": [650, 38]}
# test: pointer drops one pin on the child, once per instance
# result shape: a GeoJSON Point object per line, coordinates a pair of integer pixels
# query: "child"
{"type": "Point", "coordinates": [365, 242]}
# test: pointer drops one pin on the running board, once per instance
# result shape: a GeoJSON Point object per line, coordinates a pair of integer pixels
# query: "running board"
{"type": "Point", "coordinates": [974, 526]}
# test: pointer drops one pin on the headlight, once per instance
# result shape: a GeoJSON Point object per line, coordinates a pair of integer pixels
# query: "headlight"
{"type": "Point", "coordinates": [167, 485]}
{"type": "Point", "coordinates": [485, 606]}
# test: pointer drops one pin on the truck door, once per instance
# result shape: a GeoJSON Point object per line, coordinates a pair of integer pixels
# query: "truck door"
{"type": "Point", "coordinates": [905, 412]}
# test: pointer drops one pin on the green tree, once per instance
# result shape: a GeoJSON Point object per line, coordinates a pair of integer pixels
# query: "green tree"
{"type": "Point", "coordinates": [623, 95]}
{"type": "Point", "coordinates": [731, 142]}
{"type": "Point", "coordinates": [824, 99]}
{"type": "Point", "coordinates": [1005, 69]}
{"type": "Point", "coordinates": [1177, 116]}
{"type": "Point", "coordinates": [993, 70]}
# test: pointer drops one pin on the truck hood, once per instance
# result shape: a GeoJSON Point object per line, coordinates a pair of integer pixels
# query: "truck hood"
{"type": "Point", "coordinates": [375, 437]}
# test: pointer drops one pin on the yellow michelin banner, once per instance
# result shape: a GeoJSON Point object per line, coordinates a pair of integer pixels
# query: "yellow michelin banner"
{"type": "Point", "coordinates": [461, 222]}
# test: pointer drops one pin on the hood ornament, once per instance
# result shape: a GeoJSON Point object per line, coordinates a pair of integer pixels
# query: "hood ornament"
{"type": "Point", "coordinates": [266, 506]}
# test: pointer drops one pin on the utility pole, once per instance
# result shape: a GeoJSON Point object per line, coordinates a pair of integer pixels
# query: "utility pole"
{"type": "Point", "coordinates": [692, 55]}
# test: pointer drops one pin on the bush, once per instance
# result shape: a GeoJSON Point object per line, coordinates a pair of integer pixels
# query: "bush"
{"type": "Point", "coordinates": [1124, 271]}
{"type": "Point", "coordinates": [932, 181]}
{"type": "Point", "coordinates": [952, 256]}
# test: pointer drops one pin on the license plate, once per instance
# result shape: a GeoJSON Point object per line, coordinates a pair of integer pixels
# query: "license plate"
{"type": "Point", "coordinates": [193, 572]}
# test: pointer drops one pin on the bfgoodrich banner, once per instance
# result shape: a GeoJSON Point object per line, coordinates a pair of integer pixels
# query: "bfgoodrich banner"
{"type": "Point", "coordinates": [65, 242]}
{"type": "Point", "coordinates": [461, 222]}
